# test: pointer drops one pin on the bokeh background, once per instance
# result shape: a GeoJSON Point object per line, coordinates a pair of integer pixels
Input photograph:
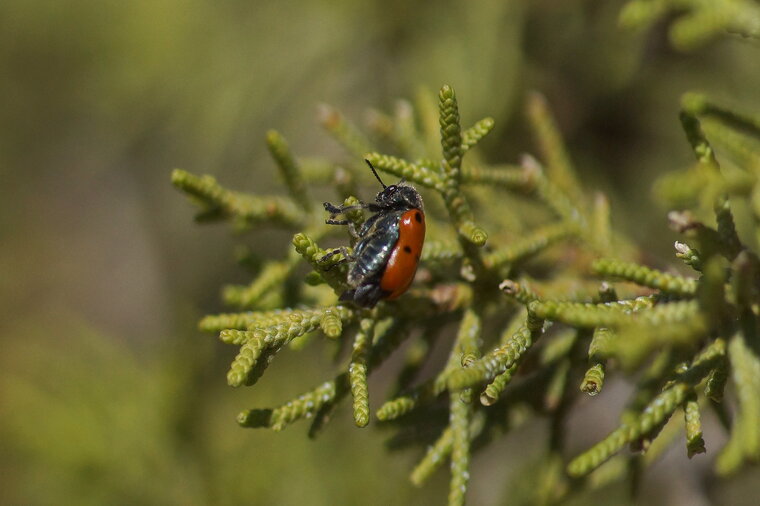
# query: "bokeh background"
{"type": "Point", "coordinates": [108, 393]}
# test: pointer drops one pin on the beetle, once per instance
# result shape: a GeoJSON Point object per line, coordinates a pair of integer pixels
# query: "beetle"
{"type": "Point", "coordinates": [388, 247]}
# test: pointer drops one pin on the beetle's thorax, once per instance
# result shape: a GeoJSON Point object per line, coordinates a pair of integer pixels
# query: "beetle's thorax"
{"type": "Point", "coordinates": [400, 197]}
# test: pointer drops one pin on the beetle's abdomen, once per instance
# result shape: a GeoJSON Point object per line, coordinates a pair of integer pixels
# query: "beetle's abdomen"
{"type": "Point", "coordinates": [369, 261]}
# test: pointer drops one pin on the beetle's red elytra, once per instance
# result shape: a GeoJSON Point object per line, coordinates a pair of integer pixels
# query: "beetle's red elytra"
{"type": "Point", "coordinates": [389, 244]}
{"type": "Point", "coordinates": [402, 264]}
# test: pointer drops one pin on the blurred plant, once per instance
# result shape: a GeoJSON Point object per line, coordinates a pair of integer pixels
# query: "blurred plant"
{"type": "Point", "coordinates": [547, 243]}
{"type": "Point", "coordinates": [112, 439]}
{"type": "Point", "coordinates": [698, 20]}
{"type": "Point", "coordinates": [86, 419]}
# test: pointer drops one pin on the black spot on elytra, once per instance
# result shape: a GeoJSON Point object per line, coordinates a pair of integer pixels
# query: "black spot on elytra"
{"type": "Point", "coordinates": [407, 249]}
{"type": "Point", "coordinates": [418, 217]}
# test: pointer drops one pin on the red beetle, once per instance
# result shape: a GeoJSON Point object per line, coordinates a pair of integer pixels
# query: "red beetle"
{"type": "Point", "coordinates": [389, 244]}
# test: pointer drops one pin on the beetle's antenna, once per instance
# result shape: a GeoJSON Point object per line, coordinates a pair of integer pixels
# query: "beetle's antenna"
{"type": "Point", "coordinates": [375, 173]}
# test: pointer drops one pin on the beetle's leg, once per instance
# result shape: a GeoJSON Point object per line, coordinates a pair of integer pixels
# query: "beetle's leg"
{"type": "Point", "coordinates": [339, 262]}
{"type": "Point", "coordinates": [333, 209]}
{"type": "Point", "coordinates": [352, 229]}
{"type": "Point", "coordinates": [331, 221]}
{"type": "Point", "coordinates": [329, 255]}
{"type": "Point", "coordinates": [336, 210]}
{"type": "Point", "coordinates": [347, 257]}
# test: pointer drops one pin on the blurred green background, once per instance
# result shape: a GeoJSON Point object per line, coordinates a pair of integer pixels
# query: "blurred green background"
{"type": "Point", "coordinates": [108, 394]}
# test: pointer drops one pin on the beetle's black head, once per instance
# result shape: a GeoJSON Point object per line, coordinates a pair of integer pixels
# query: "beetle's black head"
{"type": "Point", "coordinates": [399, 196]}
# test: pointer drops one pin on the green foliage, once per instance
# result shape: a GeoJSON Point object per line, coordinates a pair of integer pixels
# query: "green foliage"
{"type": "Point", "coordinates": [661, 317]}
{"type": "Point", "coordinates": [92, 233]}
{"type": "Point", "coordinates": [699, 20]}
